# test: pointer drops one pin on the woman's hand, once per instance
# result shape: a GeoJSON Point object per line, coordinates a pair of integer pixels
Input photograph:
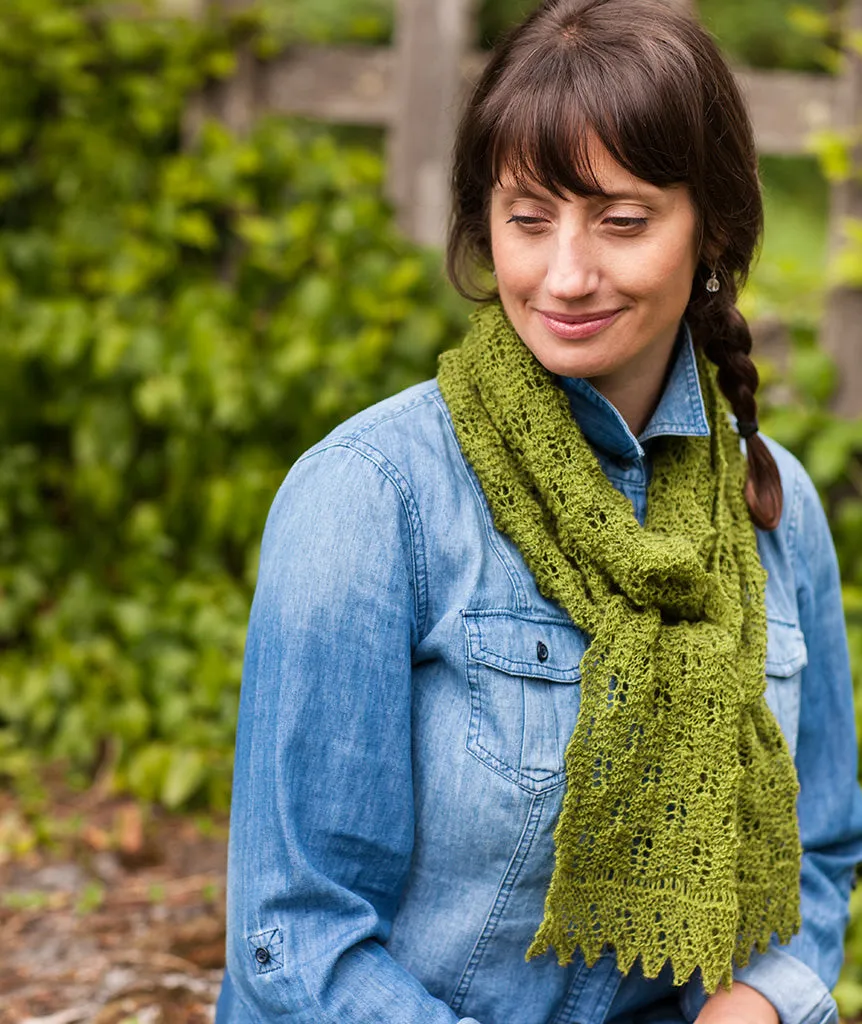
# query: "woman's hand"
{"type": "Point", "coordinates": [741, 1005]}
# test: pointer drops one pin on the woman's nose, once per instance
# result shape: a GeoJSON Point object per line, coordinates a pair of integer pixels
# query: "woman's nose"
{"type": "Point", "coordinates": [573, 271]}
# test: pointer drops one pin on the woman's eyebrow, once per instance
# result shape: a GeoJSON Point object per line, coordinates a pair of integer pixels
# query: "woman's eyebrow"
{"type": "Point", "coordinates": [541, 195]}
{"type": "Point", "coordinates": [640, 196]}
{"type": "Point", "coordinates": [517, 191]}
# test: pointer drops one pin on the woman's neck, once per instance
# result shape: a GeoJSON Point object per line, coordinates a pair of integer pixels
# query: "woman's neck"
{"type": "Point", "coordinates": [635, 396]}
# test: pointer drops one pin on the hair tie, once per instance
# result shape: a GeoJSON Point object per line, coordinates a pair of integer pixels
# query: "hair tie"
{"type": "Point", "coordinates": [747, 428]}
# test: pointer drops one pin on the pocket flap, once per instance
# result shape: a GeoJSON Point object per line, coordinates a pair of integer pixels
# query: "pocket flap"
{"type": "Point", "coordinates": [786, 653]}
{"type": "Point", "coordinates": [524, 645]}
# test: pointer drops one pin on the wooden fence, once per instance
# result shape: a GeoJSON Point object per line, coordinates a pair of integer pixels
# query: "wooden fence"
{"type": "Point", "coordinates": [414, 89]}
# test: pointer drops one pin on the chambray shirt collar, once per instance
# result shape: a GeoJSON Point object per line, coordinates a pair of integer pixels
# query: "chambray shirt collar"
{"type": "Point", "coordinates": [680, 410]}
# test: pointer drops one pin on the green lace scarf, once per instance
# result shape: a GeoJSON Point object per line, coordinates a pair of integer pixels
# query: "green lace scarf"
{"type": "Point", "coordinates": [677, 840]}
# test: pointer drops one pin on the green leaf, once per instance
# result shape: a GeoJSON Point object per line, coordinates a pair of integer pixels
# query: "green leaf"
{"type": "Point", "coordinates": [814, 373]}
{"type": "Point", "coordinates": [834, 150]}
{"type": "Point", "coordinates": [809, 22]}
{"type": "Point", "coordinates": [185, 774]}
{"type": "Point", "coordinates": [830, 451]}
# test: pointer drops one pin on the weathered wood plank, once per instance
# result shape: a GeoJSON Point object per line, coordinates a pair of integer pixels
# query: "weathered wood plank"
{"type": "Point", "coordinates": [431, 37]}
{"type": "Point", "coordinates": [786, 107]}
{"type": "Point", "coordinates": [357, 84]}
{"type": "Point", "coordinates": [342, 84]}
{"type": "Point", "coordinates": [236, 102]}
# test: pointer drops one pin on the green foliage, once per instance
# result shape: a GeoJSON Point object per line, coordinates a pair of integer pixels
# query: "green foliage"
{"type": "Point", "coordinates": [91, 898]}
{"type": "Point", "coordinates": [848, 991]}
{"type": "Point", "coordinates": [756, 33]}
{"type": "Point", "coordinates": [831, 449]}
{"type": "Point", "coordinates": [176, 326]}
{"type": "Point", "coordinates": [788, 280]}
{"type": "Point", "coordinates": [836, 148]}
{"type": "Point", "coordinates": [325, 21]}
{"type": "Point", "coordinates": [847, 265]}
{"type": "Point", "coordinates": [28, 900]}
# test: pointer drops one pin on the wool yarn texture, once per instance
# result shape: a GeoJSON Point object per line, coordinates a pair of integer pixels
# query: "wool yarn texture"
{"type": "Point", "coordinates": [678, 839]}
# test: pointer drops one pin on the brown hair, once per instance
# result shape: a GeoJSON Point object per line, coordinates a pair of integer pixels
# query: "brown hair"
{"type": "Point", "coordinates": [648, 82]}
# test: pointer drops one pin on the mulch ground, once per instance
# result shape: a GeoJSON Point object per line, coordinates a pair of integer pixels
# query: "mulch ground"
{"type": "Point", "coordinates": [109, 913]}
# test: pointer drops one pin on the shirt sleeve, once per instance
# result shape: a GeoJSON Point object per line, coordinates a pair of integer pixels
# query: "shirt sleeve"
{"type": "Point", "coordinates": [322, 815]}
{"type": "Point", "coordinates": [797, 978]}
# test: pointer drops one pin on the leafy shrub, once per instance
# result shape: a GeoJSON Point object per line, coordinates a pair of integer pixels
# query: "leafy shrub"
{"type": "Point", "coordinates": [175, 328]}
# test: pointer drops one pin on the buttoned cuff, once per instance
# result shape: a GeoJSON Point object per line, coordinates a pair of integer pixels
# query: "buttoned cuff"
{"type": "Point", "coordinates": [796, 992]}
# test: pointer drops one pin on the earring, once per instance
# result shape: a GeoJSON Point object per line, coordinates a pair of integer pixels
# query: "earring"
{"type": "Point", "coordinates": [713, 284]}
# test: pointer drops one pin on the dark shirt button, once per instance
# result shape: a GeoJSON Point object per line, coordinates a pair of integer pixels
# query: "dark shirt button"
{"type": "Point", "coordinates": [541, 651]}
{"type": "Point", "coordinates": [261, 955]}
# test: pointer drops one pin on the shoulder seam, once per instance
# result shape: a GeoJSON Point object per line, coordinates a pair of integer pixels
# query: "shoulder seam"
{"type": "Point", "coordinates": [426, 394]}
{"type": "Point", "coordinates": [793, 525]}
{"type": "Point", "coordinates": [391, 472]}
{"type": "Point", "coordinates": [510, 570]}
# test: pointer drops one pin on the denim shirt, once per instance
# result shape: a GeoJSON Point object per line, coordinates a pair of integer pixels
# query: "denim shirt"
{"type": "Point", "coordinates": [408, 695]}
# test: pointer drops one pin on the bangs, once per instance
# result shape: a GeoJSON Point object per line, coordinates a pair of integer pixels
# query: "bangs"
{"type": "Point", "coordinates": [544, 121]}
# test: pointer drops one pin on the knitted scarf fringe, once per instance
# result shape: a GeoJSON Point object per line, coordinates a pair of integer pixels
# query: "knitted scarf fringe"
{"type": "Point", "coordinates": [677, 841]}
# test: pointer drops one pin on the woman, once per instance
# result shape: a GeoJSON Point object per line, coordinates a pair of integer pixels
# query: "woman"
{"type": "Point", "coordinates": [504, 755]}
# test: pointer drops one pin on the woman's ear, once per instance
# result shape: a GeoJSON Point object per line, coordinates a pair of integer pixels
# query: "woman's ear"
{"type": "Point", "coordinates": [713, 246]}
{"type": "Point", "coordinates": [710, 254]}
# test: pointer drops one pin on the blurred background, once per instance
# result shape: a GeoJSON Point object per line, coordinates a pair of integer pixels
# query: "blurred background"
{"type": "Point", "coordinates": [220, 231]}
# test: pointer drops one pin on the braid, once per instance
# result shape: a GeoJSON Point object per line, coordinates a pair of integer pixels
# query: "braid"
{"type": "Point", "coordinates": [726, 340]}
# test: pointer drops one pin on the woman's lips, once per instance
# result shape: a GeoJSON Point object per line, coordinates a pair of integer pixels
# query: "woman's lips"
{"type": "Point", "coordinates": [574, 327]}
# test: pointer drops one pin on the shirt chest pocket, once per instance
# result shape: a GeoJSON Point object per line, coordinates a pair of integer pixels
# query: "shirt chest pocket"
{"type": "Point", "coordinates": [523, 672]}
{"type": "Point", "coordinates": [786, 656]}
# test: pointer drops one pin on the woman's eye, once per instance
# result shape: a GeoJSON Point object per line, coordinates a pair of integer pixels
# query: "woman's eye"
{"type": "Point", "coordinates": [520, 218]}
{"type": "Point", "coordinates": [627, 222]}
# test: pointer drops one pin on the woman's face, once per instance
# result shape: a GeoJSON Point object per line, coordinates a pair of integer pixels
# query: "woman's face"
{"type": "Point", "coordinates": [596, 287]}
